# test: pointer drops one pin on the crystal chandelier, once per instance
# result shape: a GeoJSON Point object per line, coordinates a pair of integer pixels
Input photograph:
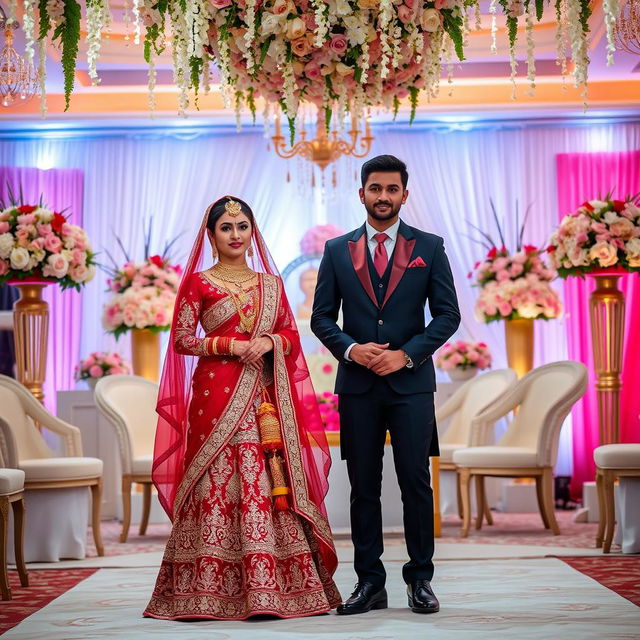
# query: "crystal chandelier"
{"type": "Point", "coordinates": [18, 78]}
{"type": "Point", "coordinates": [327, 146]}
{"type": "Point", "coordinates": [627, 28]}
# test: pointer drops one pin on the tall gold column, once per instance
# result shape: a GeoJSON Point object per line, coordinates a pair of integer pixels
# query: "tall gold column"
{"type": "Point", "coordinates": [30, 334]}
{"type": "Point", "coordinates": [145, 353]}
{"type": "Point", "coordinates": [518, 335]}
{"type": "Point", "coordinates": [606, 308]}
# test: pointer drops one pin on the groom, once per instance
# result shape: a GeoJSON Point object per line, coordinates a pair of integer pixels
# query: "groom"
{"type": "Point", "coordinates": [383, 274]}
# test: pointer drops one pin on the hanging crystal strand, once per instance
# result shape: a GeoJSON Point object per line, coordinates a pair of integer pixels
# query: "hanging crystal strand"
{"type": "Point", "coordinates": [42, 75]}
{"type": "Point", "coordinates": [126, 19]}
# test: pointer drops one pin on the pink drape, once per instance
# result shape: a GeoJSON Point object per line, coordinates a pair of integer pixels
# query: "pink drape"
{"type": "Point", "coordinates": [586, 176]}
{"type": "Point", "coordinates": [61, 189]}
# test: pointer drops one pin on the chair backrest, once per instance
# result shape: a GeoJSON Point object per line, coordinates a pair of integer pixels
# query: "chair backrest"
{"type": "Point", "coordinates": [129, 403]}
{"type": "Point", "coordinates": [8, 452]}
{"type": "Point", "coordinates": [14, 410]}
{"type": "Point", "coordinates": [547, 394]}
{"type": "Point", "coordinates": [478, 393]}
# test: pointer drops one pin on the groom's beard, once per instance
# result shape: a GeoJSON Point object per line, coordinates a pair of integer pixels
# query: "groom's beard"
{"type": "Point", "coordinates": [384, 215]}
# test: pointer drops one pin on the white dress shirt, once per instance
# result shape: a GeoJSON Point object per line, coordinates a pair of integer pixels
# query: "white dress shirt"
{"type": "Point", "coordinates": [372, 243]}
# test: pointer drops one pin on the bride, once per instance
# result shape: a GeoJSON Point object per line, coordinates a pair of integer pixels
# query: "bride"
{"type": "Point", "coordinates": [241, 458]}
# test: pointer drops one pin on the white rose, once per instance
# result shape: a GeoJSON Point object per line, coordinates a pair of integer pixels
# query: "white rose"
{"type": "Point", "coordinates": [270, 24]}
{"type": "Point", "coordinates": [605, 253]}
{"type": "Point", "coordinates": [45, 215]}
{"type": "Point", "coordinates": [529, 310]}
{"type": "Point", "coordinates": [610, 217]}
{"type": "Point", "coordinates": [57, 266]}
{"type": "Point", "coordinates": [20, 258]}
{"type": "Point", "coordinates": [430, 20]}
{"type": "Point", "coordinates": [6, 244]}
{"type": "Point", "coordinates": [296, 28]}
{"type": "Point", "coordinates": [597, 204]}
{"type": "Point", "coordinates": [633, 252]}
{"type": "Point", "coordinates": [343, 8]}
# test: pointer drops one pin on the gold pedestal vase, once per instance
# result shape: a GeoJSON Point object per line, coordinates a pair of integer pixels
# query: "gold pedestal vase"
{"type": "Point", "coordinates": [606, 310]}
{"type": "Point", "coordinates": [30, 334]}
{"type": "Point", "coordinates": [145, 353]}
{"type": "Point", "coordinates": [518, 335]}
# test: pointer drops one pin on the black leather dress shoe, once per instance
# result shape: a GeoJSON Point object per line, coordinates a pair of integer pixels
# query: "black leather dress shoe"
{"type": "Point", "coordinates": [365, 597]}
{"type": "Point", "coordinates": [421, 597]}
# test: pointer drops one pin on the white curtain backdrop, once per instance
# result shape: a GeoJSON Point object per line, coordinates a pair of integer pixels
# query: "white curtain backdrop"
{"type": "Point", "coordinates": [172, 177]}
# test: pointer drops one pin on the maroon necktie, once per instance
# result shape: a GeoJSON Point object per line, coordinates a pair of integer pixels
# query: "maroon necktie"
{"type": "Point", "coordinates": [380, 257]}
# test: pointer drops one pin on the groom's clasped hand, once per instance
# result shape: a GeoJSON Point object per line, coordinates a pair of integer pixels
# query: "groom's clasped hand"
{"type": "Point", "coordinates": [378, 357]}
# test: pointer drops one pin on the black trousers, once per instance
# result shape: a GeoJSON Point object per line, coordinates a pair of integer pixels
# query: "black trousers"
{"type": "Point", "coordinates": [364, 420]}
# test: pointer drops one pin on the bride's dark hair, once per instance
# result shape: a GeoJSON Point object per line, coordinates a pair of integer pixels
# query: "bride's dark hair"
{"type": "Point", "coordinates": [218, 210]}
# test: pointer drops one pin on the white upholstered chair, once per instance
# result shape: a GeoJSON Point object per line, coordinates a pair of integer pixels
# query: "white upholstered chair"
{"type": "Point", "coordinates": [612, 461]}
{"type": "Point", "coordinates": [11, 493]}
{"type": "Point", "coordinates": [21, 411]}
{"type": "Point", "coordinates": [129, 403]}
{"type": "Point", "coordinates": [462, 407]}
{"type": "Point", "coordinates": [529, 447]}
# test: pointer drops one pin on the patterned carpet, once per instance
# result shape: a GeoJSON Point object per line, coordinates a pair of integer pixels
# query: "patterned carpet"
{"type": "Point", "coordinates": [45, 585]}
{"type": "Point", "coordinates": [508, 528]}
{"type": "Point", "coordinates": [620, 574]}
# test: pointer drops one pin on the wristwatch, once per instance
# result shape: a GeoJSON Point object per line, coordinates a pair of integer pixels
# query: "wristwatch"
{"type": "Point", "coordinates": [408, 362]}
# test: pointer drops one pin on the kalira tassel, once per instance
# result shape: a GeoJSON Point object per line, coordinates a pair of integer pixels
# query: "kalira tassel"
{"type": "Point", "coordinates": [271, 440]}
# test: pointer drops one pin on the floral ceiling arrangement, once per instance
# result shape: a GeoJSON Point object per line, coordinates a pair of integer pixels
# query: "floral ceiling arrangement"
{"type": "Point", "coordinates": [344, 55]}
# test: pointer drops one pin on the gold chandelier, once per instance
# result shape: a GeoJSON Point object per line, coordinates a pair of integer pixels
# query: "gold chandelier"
{"type": "Point", "coordinates": [18, 78]}
{"type": "Point", "coordinates": [627, 27]}
{"type": "Point", "coordinates": [327, 146]}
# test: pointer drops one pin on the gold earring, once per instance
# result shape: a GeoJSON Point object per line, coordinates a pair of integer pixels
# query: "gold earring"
{"type": "Point", "coordinates": [214, 252]}
{"type": "Point", "coordinates": [250, 252]}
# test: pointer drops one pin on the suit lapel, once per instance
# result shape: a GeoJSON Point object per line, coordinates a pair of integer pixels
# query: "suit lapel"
{"type": "Point", "coordinates": [358, 250]}
{"type": "Point", "coordinates": [401, 257]}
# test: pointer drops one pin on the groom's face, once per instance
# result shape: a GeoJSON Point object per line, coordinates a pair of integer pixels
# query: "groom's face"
{"type": "Point", "coordinates": [383, 195]}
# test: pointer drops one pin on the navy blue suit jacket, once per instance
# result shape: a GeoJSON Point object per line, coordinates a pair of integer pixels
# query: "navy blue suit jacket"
{"type": "Point", "coordinates": [344, 278]}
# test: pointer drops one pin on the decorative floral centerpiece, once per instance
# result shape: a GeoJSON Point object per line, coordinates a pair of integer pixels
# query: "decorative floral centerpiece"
{"type": "Point", "coordinates": [328, 406]}
{"type": "Point", "coordinates": [463, 356]}
{"type": "Point", "coordinates": [38, 243]}
{"type": "Point", "coordinates": [99, 364]}
{"type": "Point", "coordinates": [515, 286]}
{"type": "Point", "coordinates": [600, 234]}
{"type": "Point", "coordinates": [144, 296]}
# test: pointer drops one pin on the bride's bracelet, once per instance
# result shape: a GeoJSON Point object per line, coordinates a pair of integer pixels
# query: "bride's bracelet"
{"type": "Point", "coordinates": [220, 346]}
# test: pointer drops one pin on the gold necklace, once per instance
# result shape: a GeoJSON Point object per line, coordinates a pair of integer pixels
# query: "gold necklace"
{"type": "Point", "coordinates": [232, 274]}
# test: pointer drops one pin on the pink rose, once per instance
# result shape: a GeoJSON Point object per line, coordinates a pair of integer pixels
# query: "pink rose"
{"type": "Point", "coordinates": [27, 218]}
{"type": "Point", "coordinates": [516, 269]}
{"type": "Point", "coordinates": [338, 44]}
{"type": "Point", "coordinates": [622, 228]}
{"type": "Point", "coordinates": [312, 70]}
{"type": "Point", "coordinates": [503, 275]}
{"type": "Point", "coordinates": [220, 4]}
{"type": "Point", "coordinates": [405, 14]}
{"type": "Point", "coordinates": [4, 227]}
{"type": "Point", "coordinates": [22, 237]}
{"type": "Point", "coordinates": [52, 243]}
{"type": "Point", "coordinates": [95, 371]}
{"type": "Point", "coordinates": [44, 230]}
{"type": "Point", "coordinates": [4, 267]}
{"type": "Point", "coordinates": [504, 308]}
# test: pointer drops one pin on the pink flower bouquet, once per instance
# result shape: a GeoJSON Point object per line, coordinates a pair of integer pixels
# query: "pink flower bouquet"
{"type": "Point", "coordinates": [314, 239]}
{"type": "Point", "coordinates": [101, 363]}
{"type": "Point", "coordinates": [36, 242]}
{"type": "Point", "coordinates": [328, 406]}
{"type": "Point", "coordinates": [600, 234]}
{"type": "Point", "coordinates": [463, 355]}
{"type": "Point", "coordinates": [144, 296]}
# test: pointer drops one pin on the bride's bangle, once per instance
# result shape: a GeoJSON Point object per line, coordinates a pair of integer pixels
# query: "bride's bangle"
{"type": "Point", "coordinates": [231, 351]}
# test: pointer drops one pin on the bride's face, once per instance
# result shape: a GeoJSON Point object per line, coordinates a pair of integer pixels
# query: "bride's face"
{"type": "Point", "coordinates": [232, 236]}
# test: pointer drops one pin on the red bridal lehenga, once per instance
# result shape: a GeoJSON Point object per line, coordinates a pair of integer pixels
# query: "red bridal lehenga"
{"type": "Point", "coordinates": [231, 555]}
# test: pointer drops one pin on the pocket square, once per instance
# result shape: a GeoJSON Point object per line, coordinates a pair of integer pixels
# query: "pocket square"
{"type": "Point", "coordinates": [418, 262]}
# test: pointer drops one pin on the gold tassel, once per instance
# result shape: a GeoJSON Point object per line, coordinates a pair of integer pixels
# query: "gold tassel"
{"type": "Point", "coordinates": [271, 440]}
